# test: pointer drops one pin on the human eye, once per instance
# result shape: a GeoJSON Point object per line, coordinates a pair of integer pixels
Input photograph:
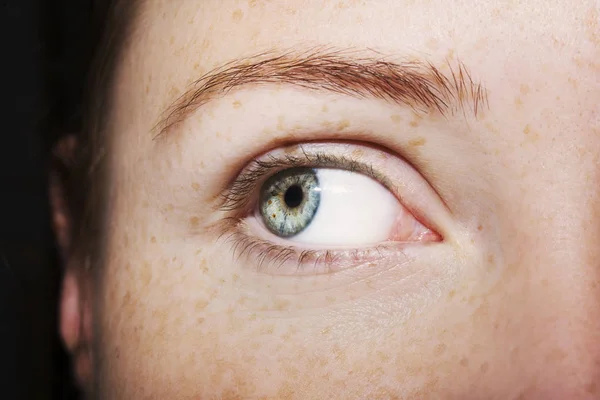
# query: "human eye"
{"type": "Point", "coordinates": [322, 207]}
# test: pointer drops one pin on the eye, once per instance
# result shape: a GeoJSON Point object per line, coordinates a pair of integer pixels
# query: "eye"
{"type": "Point", "coordinates": [328, 206]}
{"type": "Point", "coordinates": [334, 207]}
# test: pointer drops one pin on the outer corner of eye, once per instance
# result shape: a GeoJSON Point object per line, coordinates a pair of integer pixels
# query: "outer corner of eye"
{"type": "Point", "coordinates": [407, 228]}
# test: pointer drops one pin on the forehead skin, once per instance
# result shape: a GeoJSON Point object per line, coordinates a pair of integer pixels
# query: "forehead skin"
{"type": "Point", "coordinates": [508, 308]}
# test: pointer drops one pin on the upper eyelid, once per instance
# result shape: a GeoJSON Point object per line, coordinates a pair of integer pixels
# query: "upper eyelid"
{"type": "Point", "coordinates": [237, 194]}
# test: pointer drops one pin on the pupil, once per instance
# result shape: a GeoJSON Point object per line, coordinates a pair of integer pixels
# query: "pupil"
{"type": "Point", "coordinates": [293, 196]}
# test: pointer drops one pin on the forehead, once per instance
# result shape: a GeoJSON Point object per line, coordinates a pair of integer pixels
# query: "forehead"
{"type": "Point", "coordinates": [515, 48]}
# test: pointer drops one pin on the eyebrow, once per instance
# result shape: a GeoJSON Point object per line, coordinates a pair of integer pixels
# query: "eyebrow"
{"type": "Point", "coordinates": [417, 84]}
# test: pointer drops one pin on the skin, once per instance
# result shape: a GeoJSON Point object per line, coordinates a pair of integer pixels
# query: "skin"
{"type": "Point", "coordinates": [505, 307]}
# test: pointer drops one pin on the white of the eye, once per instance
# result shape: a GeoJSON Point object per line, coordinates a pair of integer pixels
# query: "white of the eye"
{"type": "Point", "coordinates": [354, 210]}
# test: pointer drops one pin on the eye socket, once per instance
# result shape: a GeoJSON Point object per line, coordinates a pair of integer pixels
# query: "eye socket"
{"type": "Point", "coordinates": [327, 206]}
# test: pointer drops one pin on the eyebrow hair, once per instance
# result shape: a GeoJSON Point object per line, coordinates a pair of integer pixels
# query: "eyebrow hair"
{"type": "Point", "coordinates": [419, 85]}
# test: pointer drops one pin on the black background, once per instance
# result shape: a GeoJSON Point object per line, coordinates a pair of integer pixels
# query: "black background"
{"type": "Point", "coordinates": [45, 53]}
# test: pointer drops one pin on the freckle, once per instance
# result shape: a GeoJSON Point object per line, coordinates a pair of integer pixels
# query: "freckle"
{"type": "Point", "coordinates": [451, 294]}
{"type": "Point", "coordinates": [326, 124]}
{"type": "Point", "coordinates": [252, 317]}
{"type": "Point", "coordinates": [195, 186]}
{"type": "Point", "coordinates": [357, 153]}
{"type": "Point", "coordinates": [339, 354]}
{"type": "Point", "coordinates": [146, 274]}
{"type": "Point", "coordinates": [490, 258]}
{"type": "Point", "coordinates": [414, 124]}
{"type": "Point", "coordinates": [573, 82]}
{"type": "Point", "coordinates": [172, 40]}
{"type": "Point", "coordinates": [235, 277]}
{"type": "Point", "coordinates": [527, 129]}
{"type": "Point", "coordinates": [440, 349]}
{"type": "Point", "coordinates": [518, 102]}
{"type": "Point", "coordinates": [343, 125]}
{"type": "Point", "coordinates": [237, 15]}
{"type": "Point", "coordinates": [153, 239]}
{"type": "Point", "coordinates": [491, 127]}
{"type": "Point", "coordinates": [201, 305]}
{"type": "Point", "coordinates": [237, 104]}
{"type": "Point", "coordinates": [479, 228]}
{"type": "Point", "coordinates": [591, 388]}
{"type": "Point", "coordinates": [326, 330]}
{"type": "Point", "coordinates": [282, 305]}
{"type": "Point", "coordinates": [194, 221]}
{"type": "Point", "coordinates": [170, 207]}
{"type": "Point", "coordinates": [270, 202]}
{"type": "Point", "coordinates": [252, 3]}
{"type": "Point", "coordinates": [127, 298]}
{"type": "Point", "coordinates": [524, 89]}
{"type": "Point", "coordinates": [432, 43]}
{"type": "Point", "coordinates": [464, 362]}
{"type": "Point", "coordinates": [200, 320]}
{"type": "Point", "coordinates": [484, 367]}
{"type": "Point", "coordinates": [267, 329]}
{"type": "Point", "coordinates": [324, 108]}
{"type": "Point", "coordinates": [383, 356]}
{"type": "Point", "coordinates": [416, 142]}
{"type": "Point", "coordinates": [330, 299]}
{"type": "Point", "coordinates": [203, 266]}
{"type": "Point", "coordinates": [396, 118]}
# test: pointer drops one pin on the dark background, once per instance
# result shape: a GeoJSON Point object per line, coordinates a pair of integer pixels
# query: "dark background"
{"type": "Point", "coordinates": [45, 53]}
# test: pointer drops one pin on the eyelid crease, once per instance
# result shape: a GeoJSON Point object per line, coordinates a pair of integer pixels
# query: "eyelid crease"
{"type": "Point", "coordinates": [237, 195]}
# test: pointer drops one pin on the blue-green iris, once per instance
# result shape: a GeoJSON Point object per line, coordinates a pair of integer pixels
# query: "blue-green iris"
{"type": "Point", "coordinates": [289, 201]}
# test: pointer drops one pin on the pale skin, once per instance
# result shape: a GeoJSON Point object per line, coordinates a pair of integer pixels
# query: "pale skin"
{"type": "Point", "coordinates": [502, 304]}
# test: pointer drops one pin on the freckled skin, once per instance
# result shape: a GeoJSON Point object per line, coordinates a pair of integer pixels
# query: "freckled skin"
{"type": "Point", "coordinates": [507, 310]}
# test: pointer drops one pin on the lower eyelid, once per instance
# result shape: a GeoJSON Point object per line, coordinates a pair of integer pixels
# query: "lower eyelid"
{"type": "Point", "coordinates": [270, 258]}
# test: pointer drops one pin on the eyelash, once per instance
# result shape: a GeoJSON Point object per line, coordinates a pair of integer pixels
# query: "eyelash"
{"type": "Point", "coordinates": [271, 257]}
{"type": "Point", "coordinates": [238, 194]}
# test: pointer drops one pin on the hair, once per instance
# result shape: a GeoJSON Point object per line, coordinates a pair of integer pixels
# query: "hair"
{"type": "Point", "coordinates": [85, 173]}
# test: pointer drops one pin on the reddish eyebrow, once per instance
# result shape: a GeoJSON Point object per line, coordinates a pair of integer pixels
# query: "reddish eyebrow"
{"type": "Point", "coordinates": [416, 84]}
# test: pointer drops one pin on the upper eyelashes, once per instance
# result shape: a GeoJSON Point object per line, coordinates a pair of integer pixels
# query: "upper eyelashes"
{"type": "Point", "coordinates": [239, 192]}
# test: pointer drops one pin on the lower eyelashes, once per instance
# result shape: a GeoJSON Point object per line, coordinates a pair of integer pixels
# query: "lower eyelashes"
{"type": "Point", "coordinates": [273, 259]}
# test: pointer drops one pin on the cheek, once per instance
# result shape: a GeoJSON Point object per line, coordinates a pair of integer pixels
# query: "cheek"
{"type": "Point", "coordinates": [177, 322]}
